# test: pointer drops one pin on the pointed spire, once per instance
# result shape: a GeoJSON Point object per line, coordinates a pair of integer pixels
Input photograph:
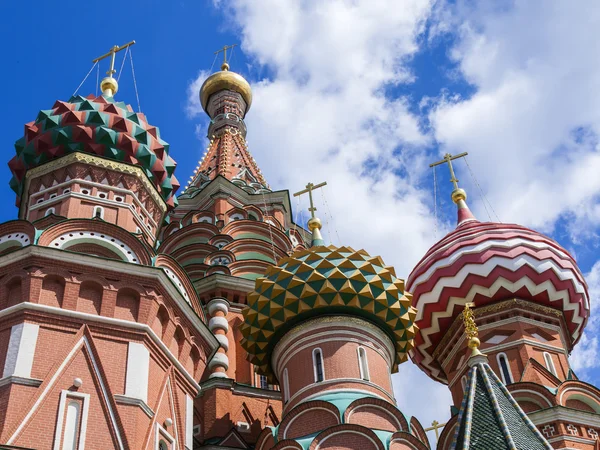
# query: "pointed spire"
{"type": "Point", "coordinates": [459, 196]}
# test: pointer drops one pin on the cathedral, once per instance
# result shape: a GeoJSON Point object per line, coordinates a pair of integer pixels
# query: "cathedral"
{"type": "Point", "coordinates": [137, 315]}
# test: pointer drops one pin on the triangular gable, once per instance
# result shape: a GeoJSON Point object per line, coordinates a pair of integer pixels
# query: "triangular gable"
{"type": "Point", "coordinates": [82, 362]}
{"type": "Point", "coordinates": [233, 439]}
{"type": "Point", "coordinates": [535, 372]}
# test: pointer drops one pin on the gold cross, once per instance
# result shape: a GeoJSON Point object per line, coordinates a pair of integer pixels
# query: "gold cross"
{"type": "Point", "coordinates": [224, 50]}
{"type": "Point", "coordinates": [309, 188]}
{"type": "Point", "coordinates": [448, 159]}
{"type": "Point", "coordinates": [112, 53]}
{"type": "Point", "coordinates": [435, 425]}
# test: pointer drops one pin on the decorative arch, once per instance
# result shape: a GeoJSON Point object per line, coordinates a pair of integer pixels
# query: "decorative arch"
{"type": "Point", "coordinates": [578, 394]}
{"type": "Point", "coordinates": [375, 413]}
{"type": "Point", "coordinates": [128, 304]}
{"type": "Point", "coordinates": [405, 441]}
{"type": "Point", "coordinates": [161, 322]}
{"type": "Point", "coordinates": [194, 232]}
{"type": "Point", "coordinates": [342, 435]}
{"type": "Point", "coordinates": [53, 290]}
{"type": "Point", "coordinates": [295, 423]}
{"type": "Point", "coordinates": [66, 235]}
{"type": "Point", "coordinates": [178, 343]}
{"type": "Point", "coordinates": [532, 392]}
{"type": "Point", "coordinates": [89, 299]}
{"type": "Point", "coordinates": [13, 291]}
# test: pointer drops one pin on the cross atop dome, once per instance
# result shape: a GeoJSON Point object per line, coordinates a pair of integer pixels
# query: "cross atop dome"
{"type": "Point", "coordinates": [459, 195]}
{"type": "Point", "coordinates": [314, 223]}
{"type": "Point", "coordinates": [109, 85]}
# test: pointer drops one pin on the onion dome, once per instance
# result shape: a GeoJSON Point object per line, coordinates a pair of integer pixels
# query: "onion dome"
{"type": "Point", "coordinates": [325, 281]}
{"type": "Point", "coordinates": [100, 126]}
{"type": "Point", "coordinates": [486, 262]}
{"type": "Point", "coordinates": [225, 80]}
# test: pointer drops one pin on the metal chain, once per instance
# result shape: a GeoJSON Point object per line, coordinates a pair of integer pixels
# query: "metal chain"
{"type": "Point", "coordinates": [97, 78]}
{"type": "Point", "coordinates": [482, 194]}
{"type": "Point", "coordinates": [88, 74]}
{"type": "Point", "coordinates": [123, 63]}
{"type": "Point", "coordinates": [134, 82]}
{"type": "Point", "coordinates": [329, 211]}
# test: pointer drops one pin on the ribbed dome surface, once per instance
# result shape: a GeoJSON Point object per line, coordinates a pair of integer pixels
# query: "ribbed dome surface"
{"type": "Point", "coordinates": [100, 126]}
{"type": "Point", "coordinates": [485, 262]}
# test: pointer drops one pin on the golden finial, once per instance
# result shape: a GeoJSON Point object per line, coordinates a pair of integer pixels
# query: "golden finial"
{"type": "Point", "coordinates": [109, 85]}
{"type": "Point", "coordinates": [471, 330]}
{"type": "Point", "coordinates": [225, 66]}
{"type": "Point", "coordinates": [314, 223]}
{"type": "Point", "coordinates": [458, 194]}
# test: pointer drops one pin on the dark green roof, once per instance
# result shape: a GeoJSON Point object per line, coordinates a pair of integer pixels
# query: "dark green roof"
{"type": "Point", "coordinates": [490, 418]}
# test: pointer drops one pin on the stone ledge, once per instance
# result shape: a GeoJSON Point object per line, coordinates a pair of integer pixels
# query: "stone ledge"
{"type": "Point", "coordinates": [124, 400]}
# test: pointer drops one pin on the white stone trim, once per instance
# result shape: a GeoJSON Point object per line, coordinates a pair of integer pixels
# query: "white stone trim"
{"type": "Point", "coordinates": [549, 362]}
{"type": "Point", "coordinates": [21, 350]}
{"type": "Point", "coordinates": [563, 414]}
{"type": "Point", "coordinates": [161, 432]}
{"type": "Point", "coordinates": [219, 360]}
{"type": "Point", "coordinates": [20, 380]}
{"type": "Point", "coordinates": [369, 405]}
{"type": "Point", "coordinates": [363, 361]}
{"type": "Point", "coordinates": [218, 323]}
{"type": "Point", "coordinates": [123, 399]}
{"type": "Point", "coordinates": [375, 445]}
{"type": "Point", "coordinates": [577, 389]}
{"type": "Point", "coordinates": [218, 304]}
{"type": "Point", "coordinates": [85, 398]}
{"type": "Point", "coordinates": [82, 342]}
{"type": "Point", "coordinates": [223, 341]}
{"type": "Point", "coordinates": [138, 371]}
{"type": "Point", "coordinates": [286, 386]}
{"type": "Point", "coordinates": [105, 320]}
{"type": "Point", "coordinates": [68, 239]}
{"type": "Point", "coordinates": [189, 422]}
{"type": "Point", "coordinates": [334, 381]}
{"type": "Point", "coordinates": [178, 283]}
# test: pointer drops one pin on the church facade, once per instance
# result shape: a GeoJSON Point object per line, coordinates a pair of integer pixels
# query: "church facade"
{"type": "Point", "coordinates": [133, 316]}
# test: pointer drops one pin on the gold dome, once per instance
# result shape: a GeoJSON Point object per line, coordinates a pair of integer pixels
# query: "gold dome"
{"type": "Point", "coordinates": [223, 80]}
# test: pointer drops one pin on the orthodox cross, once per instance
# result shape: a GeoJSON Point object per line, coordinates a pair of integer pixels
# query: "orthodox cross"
{"type": "Point", "coordinates": [309, 188]}
{"type": "Point", "coordinates": [112, 53]}
{"type": "Point", "coordinates": [224, 50]}
{"type": "Point", "coordinates": [448, 158]}
{"type": "Point", "coordinates": [435, 425]}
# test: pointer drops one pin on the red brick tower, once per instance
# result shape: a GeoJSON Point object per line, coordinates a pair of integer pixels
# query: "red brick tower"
{"type": "Point", "coordinates": [331, 324]}
{"type": "Point", "coordinates": [531, 308]}
{"type": "Point", "coordinates": [102, 339]}
{"type": "Point", "coordinates": [228, 229]}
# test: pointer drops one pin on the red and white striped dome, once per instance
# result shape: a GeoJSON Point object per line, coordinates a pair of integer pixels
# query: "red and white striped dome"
{"type": "Point", "coordinates": [485, 262]}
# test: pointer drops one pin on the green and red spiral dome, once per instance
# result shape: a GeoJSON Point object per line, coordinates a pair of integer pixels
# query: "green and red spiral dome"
{"type": "Point", "coordinates": [99, 126]}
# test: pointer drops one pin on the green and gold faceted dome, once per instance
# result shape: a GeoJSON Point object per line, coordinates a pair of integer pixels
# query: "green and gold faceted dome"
{"type": "Point", "coordinates": [326, 281]}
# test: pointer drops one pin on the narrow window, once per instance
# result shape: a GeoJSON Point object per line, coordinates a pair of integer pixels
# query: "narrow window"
{"type": "Point", "coordinates": [264, 384]}
{"type": "Point", "coordinates": [49, 211]}
{"type": "Point", "coordinates": [504, 368]}
{"type": "Point", "coordinates": [71, 426]}
{"type": "Point", "coordinates": [362, 364]}
{"type": "Point", "coordinates": [550, 363]}
{"type": "Point", "coordinates": [99, 212]}
{"type": "Point", "coordinates": [318, 365]}
{"type": "Point", "coordinates": [286, 386]}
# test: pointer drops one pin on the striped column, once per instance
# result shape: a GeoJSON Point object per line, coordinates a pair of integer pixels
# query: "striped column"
{"type": "Point", "coordinates": [218, 309]}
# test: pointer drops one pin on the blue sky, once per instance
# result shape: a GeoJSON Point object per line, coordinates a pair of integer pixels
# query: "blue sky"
{"type": "Point", "coordinates": [363, 94]}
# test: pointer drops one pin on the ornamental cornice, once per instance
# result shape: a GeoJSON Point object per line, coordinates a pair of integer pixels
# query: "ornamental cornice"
{"type": "Point", "coordinates": [480, 311]}
{"type": "Point", "coordinates": [564, 414]}
{"type": "Point", "coordinates": [96, 161]}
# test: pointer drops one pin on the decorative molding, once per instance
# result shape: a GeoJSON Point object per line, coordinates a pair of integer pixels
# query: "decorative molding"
{"type": "Point", "coordinates": [564, 414]}
{"type": "Point", "coordinates": [240, 389]}
{"type": "Point", "coordinates": [125, 400]}
{"type": "Point", "coordinates": [20, 380]}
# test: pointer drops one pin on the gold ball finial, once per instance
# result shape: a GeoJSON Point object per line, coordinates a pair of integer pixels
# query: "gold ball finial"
{"type": "Point", "coordinates": [313, 223]}
{"type": "Point", "coordinates": [474, 343]}
{"type": "Point", "coordinates": [225, 66]}
{"type": "Point", "coordinates": [458, 195]}
{"type": "Point", "coordinates": [109, 86]}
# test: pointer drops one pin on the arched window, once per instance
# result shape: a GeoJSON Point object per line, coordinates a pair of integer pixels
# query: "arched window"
{"type": "Point", "coordinates": [263, 382]}
{"type": "Point", "coordinates": [286, 386]}
{"type": "Point", "coordinates": [504, 368]}
{"type": "Point", "coordinates": [162, 445]}
{"type": "Point", "coordinates": [318, 365]}
{"type": "Point", "coordinates": [362, 364]}
{"type": "Point", "coordinates": [463, 382]}
{"type": "Point", "coordinates": [49, 211]}
{"type": "Point", "coordinates": [98, 212]}
{"type": "Point", "coordinates": [550, 363]}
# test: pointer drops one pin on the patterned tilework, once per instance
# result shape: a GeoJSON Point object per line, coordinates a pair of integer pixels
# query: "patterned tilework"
{"type": "Point", "coordinates": [490, 418]}
{"type": "Point", "coordinates": [325, 280]}
{"type": "Point", "coordinates": [100, 126]}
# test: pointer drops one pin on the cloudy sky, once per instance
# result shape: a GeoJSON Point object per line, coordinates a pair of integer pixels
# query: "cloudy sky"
{"type": "Point", "coordinates": [365, 94]}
